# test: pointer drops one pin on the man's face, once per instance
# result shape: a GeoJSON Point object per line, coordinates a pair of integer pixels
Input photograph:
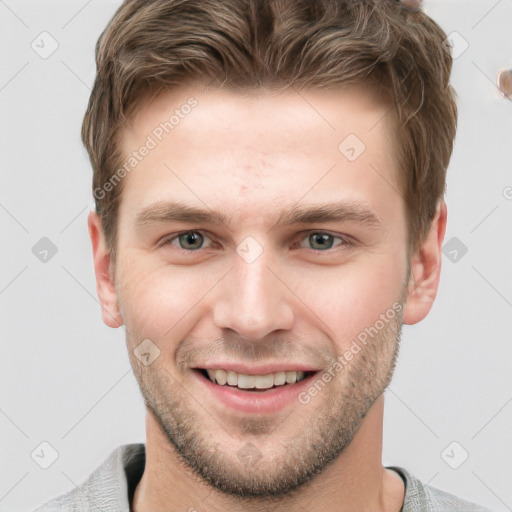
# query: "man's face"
{"type": "Point", "coordinates": [263, 291]}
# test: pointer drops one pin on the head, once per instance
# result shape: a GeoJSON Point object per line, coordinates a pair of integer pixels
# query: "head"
{"type": "Point", "coordinates": [314, 136]}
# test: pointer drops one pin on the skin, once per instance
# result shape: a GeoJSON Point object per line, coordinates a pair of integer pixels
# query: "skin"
{"type": "Point", "coordinates": [253, 156]}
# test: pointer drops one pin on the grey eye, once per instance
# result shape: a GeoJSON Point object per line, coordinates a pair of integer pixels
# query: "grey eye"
{"type": "Point", "coordinates": [321, 241]}
{"type": "Point", "coordinates": [191, 240]}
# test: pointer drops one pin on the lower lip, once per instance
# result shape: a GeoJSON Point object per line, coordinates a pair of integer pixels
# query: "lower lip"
{"type": "Point", "coordinates": [263, 402]}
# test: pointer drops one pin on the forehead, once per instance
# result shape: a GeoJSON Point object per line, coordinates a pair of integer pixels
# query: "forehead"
{"type": "Point", "coordinates": [240, 150]}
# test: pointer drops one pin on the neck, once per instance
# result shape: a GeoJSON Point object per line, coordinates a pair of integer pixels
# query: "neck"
{"type": "Point", "coordinates": [356, 480]}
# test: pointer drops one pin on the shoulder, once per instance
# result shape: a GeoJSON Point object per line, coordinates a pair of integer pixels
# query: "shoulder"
{"type": "Point", "coordinates": [106, 487]}
{"type": "Point", "coordinates": [421, 497]}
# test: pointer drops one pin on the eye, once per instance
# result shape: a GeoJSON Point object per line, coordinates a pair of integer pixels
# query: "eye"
{"type": "Point", "coordinates": [321, 241]}
{"type": "Point", "coordinates": [188, 240]}
{"type": "Point", "coordinates": [192, 241]}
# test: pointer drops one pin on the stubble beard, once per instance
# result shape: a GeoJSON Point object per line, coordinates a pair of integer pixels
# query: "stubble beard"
{"type": "Point", "coordinates": [337, 414]}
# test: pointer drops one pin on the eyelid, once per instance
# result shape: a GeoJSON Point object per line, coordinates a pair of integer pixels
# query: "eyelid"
{"type": "Point", "coordinates": [168, 239]}
{"type": "Point", "coordinates": [345, 239]}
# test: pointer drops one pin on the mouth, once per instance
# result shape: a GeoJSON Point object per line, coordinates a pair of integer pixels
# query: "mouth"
{"type": "Point", "coordinates": [254, 383]}
{"type": "Point", "coordinates": [255, 394]}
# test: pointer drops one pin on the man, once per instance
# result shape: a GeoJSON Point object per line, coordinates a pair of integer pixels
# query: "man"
{"type": "Point", "coordinates": [269, 180]}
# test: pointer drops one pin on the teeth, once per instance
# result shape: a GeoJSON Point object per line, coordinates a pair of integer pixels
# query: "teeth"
{"type": "Point", "coordinates": [279, 378]}
{"type": "Point", "coordinates": [244, 381]}
{"type": "Point", "coordinates": [264, 381]}
{"type": "Point", "coordinates": [221, 377]}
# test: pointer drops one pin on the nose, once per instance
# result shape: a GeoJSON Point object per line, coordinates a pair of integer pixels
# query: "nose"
{"type": "Point", "coordinates": [253, 301]}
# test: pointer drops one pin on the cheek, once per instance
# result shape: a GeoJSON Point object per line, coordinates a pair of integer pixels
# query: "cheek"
{"type": "Point", "coordinates": [352, 298]}
{"type": "Point", "coordinates": [155, 301]}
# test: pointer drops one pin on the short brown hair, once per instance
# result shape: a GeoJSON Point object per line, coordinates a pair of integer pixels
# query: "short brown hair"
{"type": "Point", "coordinates": [154, 45]}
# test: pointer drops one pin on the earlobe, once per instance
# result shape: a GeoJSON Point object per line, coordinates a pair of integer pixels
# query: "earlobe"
{"type": "Point", "coordinates": [426, 270]}
{"type": "Point", "coordinates": [105, 287]}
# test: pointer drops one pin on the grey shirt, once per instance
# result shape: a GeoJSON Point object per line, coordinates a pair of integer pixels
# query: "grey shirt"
{"type": "Point", "coordinates": [111, 486]}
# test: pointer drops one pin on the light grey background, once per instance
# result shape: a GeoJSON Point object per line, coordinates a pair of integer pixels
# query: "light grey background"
{"type": "Point", "coordinates": [65, 377]}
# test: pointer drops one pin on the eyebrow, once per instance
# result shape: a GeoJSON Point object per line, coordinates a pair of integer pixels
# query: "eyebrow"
{"type": "Point", "coordinates": [330, 212]}
{"type": "Point", "coordinates": [164, 211]}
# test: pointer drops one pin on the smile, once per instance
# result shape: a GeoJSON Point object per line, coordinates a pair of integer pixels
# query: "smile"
{"type": "Point", "coordinates": [265, 393]}
{"type": "Point", "coordinates": [255, 382]}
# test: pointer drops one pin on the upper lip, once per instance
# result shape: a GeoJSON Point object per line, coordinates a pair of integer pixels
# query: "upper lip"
{"type": "Point", "coordinates": [261, 369]}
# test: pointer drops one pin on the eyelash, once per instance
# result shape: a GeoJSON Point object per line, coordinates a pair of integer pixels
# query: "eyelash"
{"type": "Point", "coordinates": [345, 241]}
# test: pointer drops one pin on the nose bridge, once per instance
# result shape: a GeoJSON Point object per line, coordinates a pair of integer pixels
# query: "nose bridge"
{"type": "Point", "coordinates": [253, 302]}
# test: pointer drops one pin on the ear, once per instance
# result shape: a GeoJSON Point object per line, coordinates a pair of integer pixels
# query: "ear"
{"type": "Point", "coordinates": [105, 287]}
{"type": "Point", "coordinates": [425, 267]}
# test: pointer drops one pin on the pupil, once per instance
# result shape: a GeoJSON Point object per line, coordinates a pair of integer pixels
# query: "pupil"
{"type": "Point", "coordinates": [191, 238]}
{"type": "Point", "coordinates": [321, 239]}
